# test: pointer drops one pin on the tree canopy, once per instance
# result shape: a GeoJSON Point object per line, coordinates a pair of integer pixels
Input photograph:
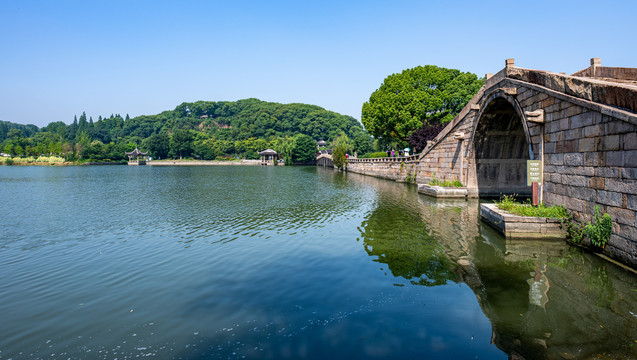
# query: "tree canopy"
{"type": "Point", "coordinates": [304, 149]}
{"type": "Point", "coordinates": [416, 98]}
{"type": "Point", "coordinates": [341, 146]}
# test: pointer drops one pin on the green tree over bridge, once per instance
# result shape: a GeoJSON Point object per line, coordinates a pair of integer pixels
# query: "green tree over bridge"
{"type": "Point", "coordinates": [417, 98]}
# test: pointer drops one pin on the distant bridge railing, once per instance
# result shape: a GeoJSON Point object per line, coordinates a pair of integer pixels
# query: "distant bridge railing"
{"type": "Point", "coordinates": [397, 159]}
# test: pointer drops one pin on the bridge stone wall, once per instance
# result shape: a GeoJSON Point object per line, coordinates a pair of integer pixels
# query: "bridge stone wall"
{"type": "Point", "coordinates": [583, 129]}
{"type": "Point", "coordinates": [590, 159]}
{"type": "Point", "coordinates": [590, 154]}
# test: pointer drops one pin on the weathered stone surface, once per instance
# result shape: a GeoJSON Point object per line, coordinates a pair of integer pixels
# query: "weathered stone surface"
{"type": "Point", "coordinates": [554, 159]}
{"type": "Point", "coordinates": [548, 102]}
{"type": "Point", "coordinates": [588, 144]}
{"type": "Point", "coordinates": [607, 172]}
{"type": "Point", "coordinates": [578, 88]}
{"type": "Point", "coordinates": [618, 127]}
{"type": "Point", "coordinates": [575, 180]}
{"type": "Point", "coordinates": [582, 193]}
{"type": "Point", "coordinates": [593, 130]}
{"type": "Point", "coordinates": [587, 171]}
{"type": "Point", "coordinates": [615, 158]}
{"type": "Point", "coordinates": [622, 216]}
{"type": "Point", "coordinates": [630, 158]}
{"type": "Point", "coordinates": [574, 159]}
{"type": "Point", "coordinates": [549, 148]}
{"type": "Point", "coordinates": [629, 141]}
{"type": "Point", "coordinates": [629, 173]}
{"type": "Point", "coordinates": [623, 186]}
{"type": "Point", "coordinates": [609, 198]}
{"type": "Point", "coordinates": [627, 232]}
{"type": "Point", "coordinates": [597, 183]}
{"type": "Point", "coordinates": [593, 158]}
{"type": "Point", "coordinates": [610, 142]}
{"type": "Point", "coordinates": [566, 146]}
{"type": "Point", "coordinates": [575, 204]}
{"type": "Point", "coordinates": [582, 120]}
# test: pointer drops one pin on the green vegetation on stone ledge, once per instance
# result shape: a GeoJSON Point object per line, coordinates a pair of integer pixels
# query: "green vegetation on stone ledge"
{"type": "Point", "coordinates": [510, 204]}
{"type": "Point", "coordinates": [598, 232]}
{"type": "Point", "coordinates": [445, 183]}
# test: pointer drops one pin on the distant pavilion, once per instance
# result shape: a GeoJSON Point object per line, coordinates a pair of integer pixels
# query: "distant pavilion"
{"type": "Point", "coordinates": [268, 156]}
{"type": "Point", "coordinates": [137, 157]}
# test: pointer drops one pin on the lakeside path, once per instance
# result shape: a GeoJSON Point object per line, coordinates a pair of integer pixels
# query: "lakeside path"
{"type": "Point", "coordinates": [201, 162]}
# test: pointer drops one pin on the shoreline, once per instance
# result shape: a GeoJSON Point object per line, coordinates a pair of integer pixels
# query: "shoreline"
{"type": "Point", "coordinates": [66, 163]}
{"type": "Point", "coordinates": [201, 162]}
{"type": "Point", "coordinates": [150, 163]}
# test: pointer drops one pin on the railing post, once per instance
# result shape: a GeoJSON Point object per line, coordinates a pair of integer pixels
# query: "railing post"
{"type": "Point", "coordinates": [595, 63]}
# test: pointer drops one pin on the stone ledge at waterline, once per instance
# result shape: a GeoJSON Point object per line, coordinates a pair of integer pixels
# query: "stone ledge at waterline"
{"type": "Point", "coordinates": [446, 192]}
{"type": "Point", "coordinates": [528, 227]}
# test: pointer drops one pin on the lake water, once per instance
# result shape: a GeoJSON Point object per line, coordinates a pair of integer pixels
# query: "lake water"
{"type": "Point", "coordinates": [231, 262]}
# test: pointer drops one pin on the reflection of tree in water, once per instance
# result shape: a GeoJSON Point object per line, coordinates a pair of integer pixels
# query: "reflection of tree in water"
{"type": "Point", "coordinates": [400, 239]}
{"type": "Point", "coordinates": [545, 300]}
{"type": "Point", "coordinates": [599, 282]}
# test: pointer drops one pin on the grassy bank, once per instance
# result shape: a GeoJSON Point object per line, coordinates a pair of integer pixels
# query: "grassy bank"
{"type": "Point", "coordinates": [510, 204]}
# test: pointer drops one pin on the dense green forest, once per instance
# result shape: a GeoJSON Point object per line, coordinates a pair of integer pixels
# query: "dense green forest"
{"type": "Point", "coordinates": [200, 130]}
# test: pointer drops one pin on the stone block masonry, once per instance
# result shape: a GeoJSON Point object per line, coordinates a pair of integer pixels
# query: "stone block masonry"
{"type": "Point", "coordinates": [583, 128]}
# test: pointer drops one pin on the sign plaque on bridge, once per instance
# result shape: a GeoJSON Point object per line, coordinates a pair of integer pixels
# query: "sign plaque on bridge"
{"type": "Point", "coordinates": [533, 177]}
{"type": "Point", "coordinates": [533, 172]}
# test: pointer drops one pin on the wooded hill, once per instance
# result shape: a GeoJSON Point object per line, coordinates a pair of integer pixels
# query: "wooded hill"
{"type": "Point", "coordinates": [202, 129]}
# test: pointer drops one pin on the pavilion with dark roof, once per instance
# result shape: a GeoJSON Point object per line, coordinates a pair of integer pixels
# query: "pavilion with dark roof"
{"type": "Point", "coordinates": [268, 156]}
{"type": "Point", "coordinates": [137, 157]}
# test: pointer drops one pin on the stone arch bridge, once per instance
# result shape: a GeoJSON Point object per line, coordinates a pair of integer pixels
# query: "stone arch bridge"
{"type": "Point", "coordinates": [324, 159]}
{"type": "Point", "coordinates": [582, 127]}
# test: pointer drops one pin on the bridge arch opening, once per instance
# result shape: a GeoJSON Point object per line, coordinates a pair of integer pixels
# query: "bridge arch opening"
{"type": "Point", "coordinates": [501, 150]}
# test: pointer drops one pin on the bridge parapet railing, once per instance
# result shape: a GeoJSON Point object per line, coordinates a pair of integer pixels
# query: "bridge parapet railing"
{"type": "Point", "coordinates": [384, 160]}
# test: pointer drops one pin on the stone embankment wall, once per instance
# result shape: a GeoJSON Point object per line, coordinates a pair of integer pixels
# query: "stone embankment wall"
{"type": "Point", "coordinates": [584, 130]}
{"type": "Point", "coordinates": [401, 169]}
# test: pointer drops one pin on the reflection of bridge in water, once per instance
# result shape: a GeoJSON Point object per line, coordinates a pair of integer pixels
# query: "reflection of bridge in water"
{"type": "Point", "coordinates": [544, 299]}
{"type": "Point", "coordinates": [581, 127]}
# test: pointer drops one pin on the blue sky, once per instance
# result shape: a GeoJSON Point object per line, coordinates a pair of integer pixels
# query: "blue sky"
{"type": "Point", "coordinates": [59, 58]}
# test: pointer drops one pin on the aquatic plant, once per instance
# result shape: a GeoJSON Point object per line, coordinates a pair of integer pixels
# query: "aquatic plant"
{"type": "Point", "coordinates": [574, 228]}
{"type": "Point", "coordinates": [600, 230]}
